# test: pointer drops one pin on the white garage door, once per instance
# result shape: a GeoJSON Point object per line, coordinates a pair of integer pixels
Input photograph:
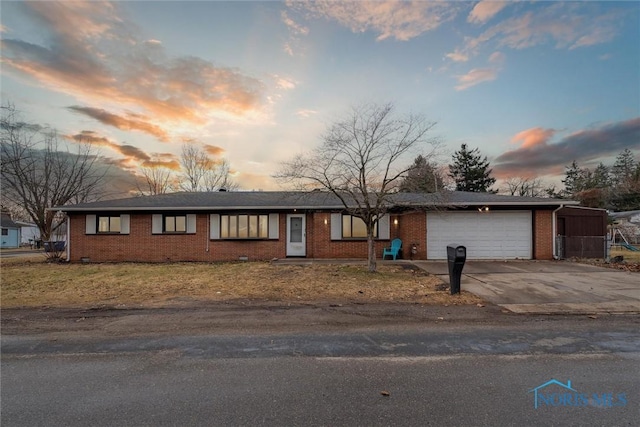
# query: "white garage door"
{"type": "Point", "coordinates": [487, 235]}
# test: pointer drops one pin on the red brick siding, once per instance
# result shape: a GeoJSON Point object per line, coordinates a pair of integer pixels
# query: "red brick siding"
{"type": "Point", "coordinates": [141, 245]}
{"type": "Point", "coordinates": [411, 228]}
{"type": "Point", "coordinates": [543, 234]}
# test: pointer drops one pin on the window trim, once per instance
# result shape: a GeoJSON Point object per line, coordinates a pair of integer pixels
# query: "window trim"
{"type": "Point", "coordinates": [158, 224]}
{"type": "Point", "coordinates": [92, 221]}
{"type": "Point", "coordinates": [262, 221]}
{"type": "Point", "coordinates": [351, 237]}
{"type": "Point", "coordinates": [175, 223]}
{"type": "Point", "coordinates": [110, 231]}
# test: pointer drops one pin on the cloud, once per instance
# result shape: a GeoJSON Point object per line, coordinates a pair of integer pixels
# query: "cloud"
{"type": "Point", "coordinates": [133, 122]}
{"type": "Point", "coordinates": [485, 10]}
{"type": "Point", "coordinates": [457, 56]}
{"type": "Point", "coordinates": [533, 136]}
{"type": "Point", "coordinates": [567, 25]}
{"type": "Point", "coordinates": [305, 113]}
{"type": "Point", "coordinates": [540, 157]}
{"type": "Point", "coordinates": [174, 165]}
{"type": "Point", "coordinates": [91, 52]}
{"type": "Point", "coordinates": [214, 150]}
{"type": "Point", "coordinates": [389, 19]}
{"type": "Point", "coordinates": [288, 49]}
{"type": "Point", "coordinates": [497, 58]}
{"type": "Point", "coordinates": [130, 152]}
{"type": "Point", "coordinates": [294, 27]}
{"type": "Point", "coordinates": [284, 83]}
{"type": "Point", "coordinates": [476, 76]}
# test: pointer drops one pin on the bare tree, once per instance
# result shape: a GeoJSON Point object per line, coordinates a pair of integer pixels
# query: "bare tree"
{"type": "Point", "coordinates": [424, 177]}
{"type": "Point", "coordinates": [202, 173]}
{"type": "Point", "coordinates": [219, 177]}
{"type": "Point", "coordinates": [37, 174]}
{"type": "Point", "coordinates": [155, 180]}
{"type": "Point", "coordinates": [520, 186]}
{"type": "Point", "coordinates": [359, 162]}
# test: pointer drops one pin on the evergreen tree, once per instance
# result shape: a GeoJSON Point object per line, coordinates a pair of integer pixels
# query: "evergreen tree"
{"type": "Point", "coordinates": [626, 181]}
{"type": "Point", "coordinates": [470, 171]}
{"type": "Point", "coordinates": [422, 177]}
{"type": "Point", "coordinates": [574, 181]}
{"type": "Point", "coordinates": [601, 177]}
{"type": "Point", "coordinates": [616, 187]}
{"type": "Point", "coordinates": [623, 168]}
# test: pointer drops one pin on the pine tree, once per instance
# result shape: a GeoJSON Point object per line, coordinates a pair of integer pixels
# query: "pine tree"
{"type": "Point", "coordinates": [601, 177]}
{"type": "Point", "coordinates": [574, 181]}
{"type": "Point", "coordinates": [471, 171]}
{"type": "Point", "coordinates": [626, 182]}
{"type": "Point", "coordinates": [624, 167]}
{"type": "Point", "coordinates": [423, 177]}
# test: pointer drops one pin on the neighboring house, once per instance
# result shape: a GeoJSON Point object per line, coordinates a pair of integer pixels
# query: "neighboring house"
{"type": "Point", "coordinates": [10, 232]}
{"type": "Point", "coordinates": [581, 232]}
{"type": "Point", "coordinates": [227, 226]}
{"type": "Point", "coordinates": [628, 224]}
{"type": "Point", "coordinates": [29, 233]}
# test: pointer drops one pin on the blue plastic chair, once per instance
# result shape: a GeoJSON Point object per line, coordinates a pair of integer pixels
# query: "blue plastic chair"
{"type": "Point", "coordinates": [394, 250]}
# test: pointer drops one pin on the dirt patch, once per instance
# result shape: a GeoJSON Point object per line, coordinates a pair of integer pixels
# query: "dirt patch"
{"type": "Point", "coordinates": [35, 283]}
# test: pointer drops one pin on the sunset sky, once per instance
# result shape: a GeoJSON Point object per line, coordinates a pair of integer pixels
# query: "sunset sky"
{"type": "Point", "coordinates": [533, 85]}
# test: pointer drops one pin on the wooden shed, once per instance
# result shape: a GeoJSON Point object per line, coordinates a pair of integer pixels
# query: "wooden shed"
{"type": "Point", "coordinates": [581, 232]}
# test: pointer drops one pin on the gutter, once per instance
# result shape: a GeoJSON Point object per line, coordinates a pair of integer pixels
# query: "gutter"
{"type": "Point", "coordinates": [286, 208]}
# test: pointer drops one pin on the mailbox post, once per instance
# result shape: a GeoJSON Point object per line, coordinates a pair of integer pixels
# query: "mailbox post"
{"type": "Point", "coordinates": [456, 256]}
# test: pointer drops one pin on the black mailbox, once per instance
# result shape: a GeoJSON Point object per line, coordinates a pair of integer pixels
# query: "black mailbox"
{"type": "Point", "coordinates": [456, 256]}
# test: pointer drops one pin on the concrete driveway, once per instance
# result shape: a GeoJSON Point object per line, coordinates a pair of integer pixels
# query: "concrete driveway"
{"type": "Point", "coordinates": [547, 286]}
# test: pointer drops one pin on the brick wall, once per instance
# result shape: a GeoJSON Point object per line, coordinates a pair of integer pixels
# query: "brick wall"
{"type": "Point", "coordinates": [141, 245]}
{"type": "Point", "coordinates": [411, 228]}
{"type": "Point", "coordinates": [543, 234]}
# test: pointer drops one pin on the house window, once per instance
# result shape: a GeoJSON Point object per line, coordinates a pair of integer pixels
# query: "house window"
{"type": "Point", "coordinates": [175, 224]}
{"type": "Point", "coordinates": [244, 226]}
{"type": "Point", "coordinates": [5, 231]}
{"type": "Point", "coordinates": [109, 224]}
{"type": "Point", "coordinates": [354, 227]}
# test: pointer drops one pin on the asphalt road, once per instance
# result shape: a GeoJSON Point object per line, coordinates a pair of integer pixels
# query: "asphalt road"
{"type": "Point", "coordinates": [437, 375]}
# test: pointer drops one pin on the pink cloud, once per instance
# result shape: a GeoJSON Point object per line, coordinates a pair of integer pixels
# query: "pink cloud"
{"type": "Point", "coordinates": [485, 10]}
{"type": "Point", "coordinates": [214, 150]}
{"type": "Point", "coordinates": [534, 136]}
{"type": "Point", "coordinates": [90, 51]}
{"type": "Point", "coordinates": [131, 153]}
{"type": "Point", "coordinates": [476, 76]}
{"type": "Point", "coordinates": [389, 19]}
{"type": "Point", "coordinates": [457, 56]}
{"type": "Point", "coordinates": [567, 25]}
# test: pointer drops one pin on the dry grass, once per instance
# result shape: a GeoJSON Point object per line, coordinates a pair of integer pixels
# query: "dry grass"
{"type": "Point", "coordinates": [629, 256]}
{"type": "Point", "coordinates": [34, 283]}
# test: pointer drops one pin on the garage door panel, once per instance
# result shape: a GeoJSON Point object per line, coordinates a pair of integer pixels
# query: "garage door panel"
{"type": "Point", "coordinates": [487, 235]}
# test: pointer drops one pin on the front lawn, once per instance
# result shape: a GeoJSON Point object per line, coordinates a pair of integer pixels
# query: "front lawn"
{"type": "Point", "coordinates": [36, 283]}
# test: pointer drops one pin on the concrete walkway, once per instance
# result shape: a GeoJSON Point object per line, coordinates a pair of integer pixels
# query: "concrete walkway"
{"type": "Point", "coordinates": [545, 287]}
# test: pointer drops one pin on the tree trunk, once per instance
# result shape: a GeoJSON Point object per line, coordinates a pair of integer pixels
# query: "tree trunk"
{"type": "Point", "coordinates": [371, 251]}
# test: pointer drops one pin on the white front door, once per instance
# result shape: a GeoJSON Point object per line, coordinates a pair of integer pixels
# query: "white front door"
{"type": "Point", "coordinates": [296, 235]}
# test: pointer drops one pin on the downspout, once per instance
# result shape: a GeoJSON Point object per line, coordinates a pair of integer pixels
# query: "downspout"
{"type": "Point", "coordinates": [208, 236]}
{"type": "Point", "coordinates": [554, 230]}
{"type": "Point", "coordinates": [68, 232]}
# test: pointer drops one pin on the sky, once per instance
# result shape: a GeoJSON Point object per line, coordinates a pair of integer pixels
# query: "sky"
{"type": "Point", "coordinates": [532, 85]}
